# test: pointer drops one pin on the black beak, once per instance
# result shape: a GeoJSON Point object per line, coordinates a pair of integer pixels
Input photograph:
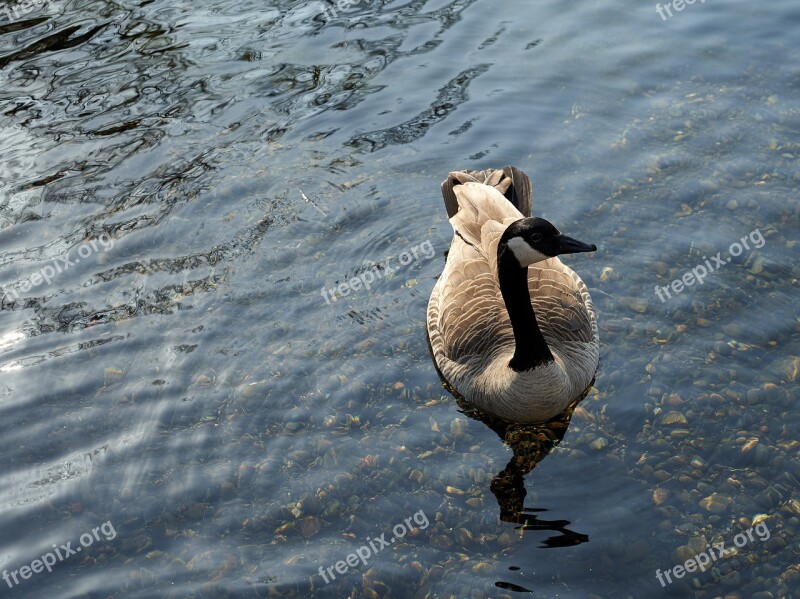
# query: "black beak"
{"type": "Point", "coordinates": [568, 245]}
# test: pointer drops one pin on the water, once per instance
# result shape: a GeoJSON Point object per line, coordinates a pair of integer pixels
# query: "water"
{"type": "Point", "coordinates": [190, 176]}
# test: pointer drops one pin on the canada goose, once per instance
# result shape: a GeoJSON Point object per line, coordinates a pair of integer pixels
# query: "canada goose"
{"type": "Point", "coordinates": [512, 330]}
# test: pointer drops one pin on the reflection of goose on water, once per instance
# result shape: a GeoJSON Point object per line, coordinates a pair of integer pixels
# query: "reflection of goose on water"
{"type": "Point", "coordinates": [512, 330]}
{"type": "Point", "coordinates": [530, 444]}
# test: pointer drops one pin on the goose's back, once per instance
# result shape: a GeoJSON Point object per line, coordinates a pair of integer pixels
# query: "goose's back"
{"type": "Point", "coordinates": [466, 314]}
{"type": "Point", "coordinates": [468, 325]}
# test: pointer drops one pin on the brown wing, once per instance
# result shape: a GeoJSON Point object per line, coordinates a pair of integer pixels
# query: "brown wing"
{"type": "Point", "coordinates": [561, 303]}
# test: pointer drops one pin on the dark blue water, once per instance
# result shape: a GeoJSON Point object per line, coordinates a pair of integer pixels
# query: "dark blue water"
{"type": "Point", "coordinates": [181, 400]}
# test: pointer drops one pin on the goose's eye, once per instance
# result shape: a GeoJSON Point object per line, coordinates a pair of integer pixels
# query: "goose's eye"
{"type": "Point", "coordinates": [536, 237]}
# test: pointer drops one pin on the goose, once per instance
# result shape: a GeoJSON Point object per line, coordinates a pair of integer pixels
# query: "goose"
{"type": "Point", "coordinates": [511, 329]}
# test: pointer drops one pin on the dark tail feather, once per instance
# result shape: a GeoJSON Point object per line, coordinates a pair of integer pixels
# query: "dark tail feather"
{"type": "Point", "coordinates": [510, 181]}
{"type": "Point", "coordinates": [521, 190]}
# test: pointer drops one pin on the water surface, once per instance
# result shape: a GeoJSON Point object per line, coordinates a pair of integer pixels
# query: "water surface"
{"type": "Point", "coordinates": [197, 173]}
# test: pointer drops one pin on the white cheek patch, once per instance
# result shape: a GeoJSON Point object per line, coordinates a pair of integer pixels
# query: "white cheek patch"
{"type": "Point", "coordinates": [524, 253]}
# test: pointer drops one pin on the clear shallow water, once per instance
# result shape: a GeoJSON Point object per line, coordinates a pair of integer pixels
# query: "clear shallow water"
{"type": "Point", "coordinates": [191, 386]}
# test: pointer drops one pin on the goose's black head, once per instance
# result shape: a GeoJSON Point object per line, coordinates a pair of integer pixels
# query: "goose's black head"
{"type": "Point", "coordinates": [531, 240]}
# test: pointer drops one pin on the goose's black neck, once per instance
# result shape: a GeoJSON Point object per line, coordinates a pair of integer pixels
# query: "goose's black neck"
{"type": "Point", "coordinates": [531, 348]}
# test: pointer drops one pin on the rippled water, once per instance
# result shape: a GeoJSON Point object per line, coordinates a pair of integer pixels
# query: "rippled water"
{"type": "Point", "coordinates": [178, 183]}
